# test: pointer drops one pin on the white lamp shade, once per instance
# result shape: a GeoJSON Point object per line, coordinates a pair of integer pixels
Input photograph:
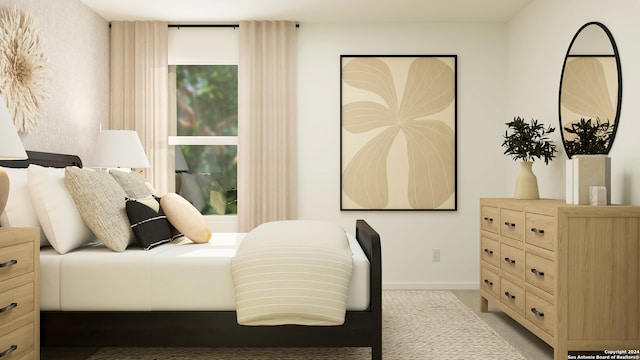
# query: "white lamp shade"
{"type": "Point", "coordinates": [119, 148]}
{"type": "Point", "coordinates": [10, 145]}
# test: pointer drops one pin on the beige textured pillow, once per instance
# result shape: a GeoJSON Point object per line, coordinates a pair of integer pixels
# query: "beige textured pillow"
{"type": "Point", "coordinates": [185, 218]}
{"type": "Point", "coordinates": [101, 203]}
{"type": "Point", "coordinates": [133, 184]}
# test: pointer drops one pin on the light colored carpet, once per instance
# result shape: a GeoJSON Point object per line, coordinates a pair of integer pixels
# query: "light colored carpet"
{"type": "Point", "coordinates": [416, 325]}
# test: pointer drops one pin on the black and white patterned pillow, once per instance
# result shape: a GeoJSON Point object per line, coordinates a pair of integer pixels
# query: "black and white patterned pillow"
{"type": "Point", "coordinates": [148, 222]}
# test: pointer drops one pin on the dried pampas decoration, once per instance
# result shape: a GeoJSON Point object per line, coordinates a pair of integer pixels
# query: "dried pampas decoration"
{"type": "Point", "coordinates": [23, 68]}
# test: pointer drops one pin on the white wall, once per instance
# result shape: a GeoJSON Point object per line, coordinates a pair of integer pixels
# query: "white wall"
{"type": "Point", "coordinates": [407, 237]}
{"type": "Point", "coordinates": [504, 70]}
{"type": "Point", "coordinates": [538, 40]}
{"type": "Point", "coordinates": [76, 42]}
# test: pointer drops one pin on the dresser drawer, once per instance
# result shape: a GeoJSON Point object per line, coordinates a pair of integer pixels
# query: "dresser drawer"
{"type": "Point", "coordinates": [16, 302]}
{"type": "Point", "coordinates": [512, 260]}
{"type": "Point", "coordinates": [490, 281]}
{"type": "Point", "coordinates": [540, 231]}
{"type": "Point", "coordinates": [512, 224]}
{"type": "Point", "coordinates": [490, 251]}
{"type": "Point", "coordinates": [540, 312]}
{"type": "Point", "coordinates": [16, 260]}
{"type": "Point", "coordinates": [540, 272]}
{"type": "Point", "coordinates": [512, 295]}
{"type": "Point", "coordinates": [490, 218]}
{"type": "Point", "coordinates": [19, 342]}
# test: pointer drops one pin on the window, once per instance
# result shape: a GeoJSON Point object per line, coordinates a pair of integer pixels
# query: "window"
{"type": "Point", "coordinates": [204, 89]}
{"type": "Point", "coordinates": [207, 136]}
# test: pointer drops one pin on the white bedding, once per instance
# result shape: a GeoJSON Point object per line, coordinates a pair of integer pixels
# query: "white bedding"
{"type": "Point", "coordinates": [175, 276]}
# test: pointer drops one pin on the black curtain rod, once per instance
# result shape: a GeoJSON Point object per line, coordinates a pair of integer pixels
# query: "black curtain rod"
{"type": "Point", "coordinates": [206, 25]}
{"type": "Point", "coordinates": [209, 25]}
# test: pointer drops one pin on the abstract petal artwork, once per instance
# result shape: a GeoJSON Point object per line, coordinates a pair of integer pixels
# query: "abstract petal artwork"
{"type": "Point", "coordinates": [398, 132]}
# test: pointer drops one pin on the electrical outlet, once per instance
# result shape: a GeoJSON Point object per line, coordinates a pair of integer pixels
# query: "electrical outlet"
{"type": "Point", "coordinates": [435, 256]}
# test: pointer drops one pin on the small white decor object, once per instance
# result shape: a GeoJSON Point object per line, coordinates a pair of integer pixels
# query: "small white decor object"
{"type": "Point", "coordinates": [24, 73]}
{"type": "Point", "coordinates": [590, 170]}
{"type": "Point", "coordinates": [597, 195]}
{"type": "Point", "coordinates": [569, 182]}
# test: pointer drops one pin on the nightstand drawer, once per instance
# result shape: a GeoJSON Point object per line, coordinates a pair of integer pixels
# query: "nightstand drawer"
{"type": "Point", "coordinates": [540, 272]}
{"type": "Point", "coordinates": [540, 231]}
{"type": "Point", "coordinates": [512, 295]}
{"type": "Point", "coordinates": [512, 224]}
{"type": "Point", "coordinates": [490, 251]}
{"type": "Point", "coordinates": [512, 260]}
{"type": "Point", "coordinates": [16, 260]}
{"type": "Point", "coordinates": [16, 303]}
{"type": "Point", "coordinates": [490, 281]}
{"type": "Point", "coordinates": [489, 219]}
{"type": "Point", "coordinates": [540, 312]}
{"type": "Point", "coordinates": [18, 343]}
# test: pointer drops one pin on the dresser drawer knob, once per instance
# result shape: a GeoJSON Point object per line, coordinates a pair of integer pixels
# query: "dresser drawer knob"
{"type": "Point", "coordinates": [509, 260]}
{"type": "Point", "coordinates": [9, 307]}
{"type": "Point", "coordinates": [510, 224]}
{"type": "Point", "coordinates": [8, 263]}
{"type": "Point", "coordinates": [488, 282]}
{"type": "Point", "coordinates": [537, 231]}
{"type": "Point", "coordinates": [11, 349]}
{"type": "Point", "coordinates": [537, 272]}
{"type": "Point", "coordinates": [537, 313]}
{"type": "Point", "coordinates": [508, 294]}
{"type": "Point", "coordinates": [488, 219]}
{"type": "Point", "coordinates": [489, 252]}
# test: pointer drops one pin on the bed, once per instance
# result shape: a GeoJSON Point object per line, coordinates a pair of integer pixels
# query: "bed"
{"type": "Point", "coordinates": [163, 326]}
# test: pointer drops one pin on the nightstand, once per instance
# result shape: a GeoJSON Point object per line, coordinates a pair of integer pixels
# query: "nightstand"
{"type": "Point", "coordinates": [19, 293]}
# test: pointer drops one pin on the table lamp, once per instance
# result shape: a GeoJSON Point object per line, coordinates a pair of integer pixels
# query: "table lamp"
{"type": "Point", "coordinates": [10, 149]}
{"type": "Point", "coordinates": [119, 148]}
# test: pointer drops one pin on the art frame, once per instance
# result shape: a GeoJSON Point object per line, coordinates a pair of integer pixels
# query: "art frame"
{"type": "Point", "coordinates": [398, 131]}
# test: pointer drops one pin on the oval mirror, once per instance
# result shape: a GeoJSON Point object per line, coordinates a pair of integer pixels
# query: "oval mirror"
{"type": "Point", "coordinates": [590, 91]}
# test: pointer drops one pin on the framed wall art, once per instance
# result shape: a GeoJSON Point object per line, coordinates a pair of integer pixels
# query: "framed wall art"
{"type": "Point", "coordinates": [398, 132]}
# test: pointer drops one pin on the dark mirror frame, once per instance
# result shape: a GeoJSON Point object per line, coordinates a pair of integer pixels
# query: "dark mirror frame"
{"type": "Point", "coordinates": [619, 70]}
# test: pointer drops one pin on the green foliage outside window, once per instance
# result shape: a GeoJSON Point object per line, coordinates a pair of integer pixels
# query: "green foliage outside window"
{"type": "Point", "coordinates": [207, 105]}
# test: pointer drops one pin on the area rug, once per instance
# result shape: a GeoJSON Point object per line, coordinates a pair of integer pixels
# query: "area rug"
{"type": "Point", "coordinates": [416, 325]}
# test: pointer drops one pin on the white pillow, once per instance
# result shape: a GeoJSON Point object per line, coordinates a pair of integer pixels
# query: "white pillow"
{"type": "Point", "coordinates": [19, 211]}
{"type": "Point", "coordinates": [54, 206]}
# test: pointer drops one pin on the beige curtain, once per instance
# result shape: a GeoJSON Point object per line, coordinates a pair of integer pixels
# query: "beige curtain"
{"type": "Point", "coordinates": [139, 92]}
{"type": "Point", "coordinates": [267, 123]}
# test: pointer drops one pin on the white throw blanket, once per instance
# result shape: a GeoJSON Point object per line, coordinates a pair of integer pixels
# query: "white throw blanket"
{"type": "Point", "coordinates": [292, 272]}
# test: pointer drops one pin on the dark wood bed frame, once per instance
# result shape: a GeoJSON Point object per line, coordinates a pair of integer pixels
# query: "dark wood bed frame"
{"type": "Point", "coordinates": [209, 328]}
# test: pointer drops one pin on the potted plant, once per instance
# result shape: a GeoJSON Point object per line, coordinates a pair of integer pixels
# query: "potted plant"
{"type": "Point", "coordinates": [587, 143]}
{"type": "Point", "coordinates": [528, 141]}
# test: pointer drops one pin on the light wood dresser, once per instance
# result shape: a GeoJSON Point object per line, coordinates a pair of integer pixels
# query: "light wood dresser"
{"type": "Point", "coordinates": [567, 273]}
{"type": "Point", "coordinates": [19, 293]}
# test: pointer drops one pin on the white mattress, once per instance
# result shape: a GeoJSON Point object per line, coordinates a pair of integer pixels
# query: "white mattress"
{"type": "Point", "coordinates": [175, 276]}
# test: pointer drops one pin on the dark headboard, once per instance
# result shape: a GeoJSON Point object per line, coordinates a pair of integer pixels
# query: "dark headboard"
{"type": "Point", "coordinates": [44, 159]}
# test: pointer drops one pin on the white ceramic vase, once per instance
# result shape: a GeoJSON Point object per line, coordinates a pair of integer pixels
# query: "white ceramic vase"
{"type": "Point", "coordinates": [526, 183]}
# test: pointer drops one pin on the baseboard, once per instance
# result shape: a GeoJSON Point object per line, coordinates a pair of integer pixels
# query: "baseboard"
{"type": "Point", "coordinates": [430, 286]}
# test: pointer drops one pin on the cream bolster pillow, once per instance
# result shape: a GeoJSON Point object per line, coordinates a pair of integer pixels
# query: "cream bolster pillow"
{"type": "Point", "coordinates": [185, 218]}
